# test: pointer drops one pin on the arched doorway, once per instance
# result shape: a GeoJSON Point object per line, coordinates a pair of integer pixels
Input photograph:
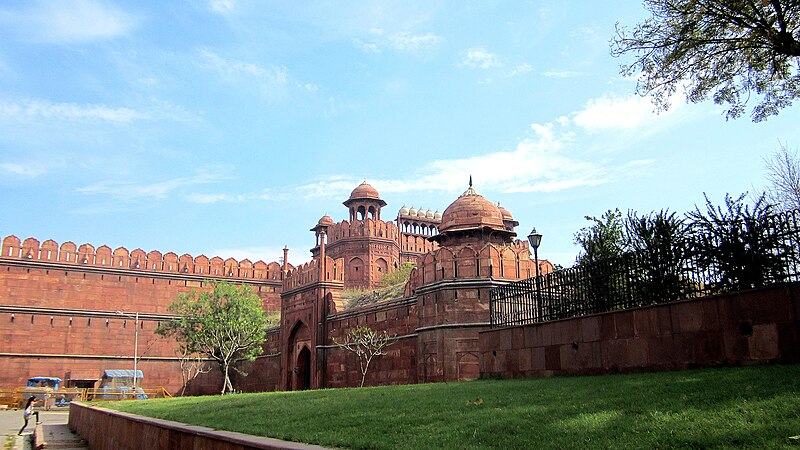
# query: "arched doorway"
{"type": "Point", "coordinates": [302, 371]}
{"type": "Point", "coordinates": [299, 358]}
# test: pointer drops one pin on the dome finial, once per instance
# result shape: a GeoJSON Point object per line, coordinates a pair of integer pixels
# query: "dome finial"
{"type": "Point", "coordinates": [469, 190]}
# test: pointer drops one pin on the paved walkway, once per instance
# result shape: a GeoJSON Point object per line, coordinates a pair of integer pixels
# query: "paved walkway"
{"type": "Point", "coordinates": [54, 425]}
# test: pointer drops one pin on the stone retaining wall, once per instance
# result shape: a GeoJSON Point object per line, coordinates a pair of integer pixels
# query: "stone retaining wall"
{"type": "Point", "coordinates": [750, 327]}
{"type": "Point", "coordinates": [106, 429]}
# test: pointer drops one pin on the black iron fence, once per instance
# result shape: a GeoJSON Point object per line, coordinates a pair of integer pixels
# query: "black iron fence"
{"type": "Point", "coordinates": [744, 255]}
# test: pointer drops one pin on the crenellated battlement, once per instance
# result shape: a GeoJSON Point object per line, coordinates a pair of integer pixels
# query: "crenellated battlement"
{"type": "Point", "coordinates": [310, 273]}
{"type": "Point", "coordinates": [154, 261]}
{"type": "Point", "coordinates": [362, 228]}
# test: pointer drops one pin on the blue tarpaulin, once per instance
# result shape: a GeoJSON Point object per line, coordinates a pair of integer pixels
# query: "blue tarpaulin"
{"type": "Point", "coordinates": [122, 373]}
{"type": "Point", "coordinates": [56, 379]}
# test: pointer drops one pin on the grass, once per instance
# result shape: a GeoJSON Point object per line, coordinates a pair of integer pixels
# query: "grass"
{"type": "Point", "coordinates": [745, 407]}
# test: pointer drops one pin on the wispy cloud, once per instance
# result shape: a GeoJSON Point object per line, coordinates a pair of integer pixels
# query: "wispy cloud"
{"type": "Point", "coordinates": [403, 41]}
{"type": "Point", "coordinates": [222, 6]}
{"type": "Point", "coordinates": [230, 68]}
{"type": "Point", "coordinates": [549, 160]}
{"type": "Point", "coordinates": [77, 21]}
{"type": "Point", "coordinates": [480, 58]}
{"type": "Point", "coordinates": [35, 109]}
{"type": "Point", "coordinates": [272, 81]}
{"type": "Point", "coordinates": [520, 69]}
{"type": "Point", "coordinates": [23, 170]}
{"type": "Point", "coordinates": [129, 190]}
{"type": "Point", "coordinates": [217, 198]}
{"type": "Point", "coordinates": [561, 74]}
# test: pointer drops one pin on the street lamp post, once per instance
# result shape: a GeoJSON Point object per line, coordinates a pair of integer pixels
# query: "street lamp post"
{"type": "Point", "coordinates": [135, 344]}
{"type": "Point", "coordinates": [535, 238]}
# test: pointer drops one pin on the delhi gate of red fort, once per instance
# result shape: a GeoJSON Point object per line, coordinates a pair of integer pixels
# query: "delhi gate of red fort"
{"type": "Point", "coordinates": [61, 305]}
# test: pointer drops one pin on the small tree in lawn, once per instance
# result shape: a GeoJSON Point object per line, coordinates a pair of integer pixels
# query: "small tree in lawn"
{"type": "Point", "coordinates": [366, 344]}
{"type": "Point", "coordinates": [191, 365]}
{"type": "Point", "coordinates": [227, 325]}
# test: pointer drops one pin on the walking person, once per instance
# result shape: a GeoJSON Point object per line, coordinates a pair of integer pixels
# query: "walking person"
{"type": "Point", "coordinates": [28, 413]}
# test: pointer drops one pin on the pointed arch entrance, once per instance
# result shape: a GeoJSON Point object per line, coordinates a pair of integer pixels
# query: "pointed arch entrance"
{"type": "Point", "coordinates": [303, 370]}
{"type": "Point", "coordinates": [300, 364]}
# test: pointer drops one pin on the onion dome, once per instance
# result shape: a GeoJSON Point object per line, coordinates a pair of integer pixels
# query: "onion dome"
{"type": "Point", "coordinates": [429, 214]}
{"type": "Point", "coordinates": [421, 213]}
{"type": "Point", "coordinates": [471, 211]}
{"type": "Point", "coordinates": [437, 215]}
{"type": "Point", "coordinates": [412, 211]}
{"type": "Point", "coordinates": [403, 211]}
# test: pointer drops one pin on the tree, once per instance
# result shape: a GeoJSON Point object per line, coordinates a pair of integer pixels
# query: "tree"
{"type": "Point", "coordinates": [366, 344]}
{"type": "Point", "coordinates": [227, 325]}
{"type": "Point", "coordinates": [603, 239]}
{"type": "Point", "coordinates": [602, 243]}
{"type": "Point", "coordinates": [191, 365]}
{"type": "Point", "coordinates": [658, 245]}
{"type": "Point", "coordinates": [730, 50]}
{"type": "Point", "coordinates": [739, 246]}
{"type": "Point", "coordinates": [783, 173]}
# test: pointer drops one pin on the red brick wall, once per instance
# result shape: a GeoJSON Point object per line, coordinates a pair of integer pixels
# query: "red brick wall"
{"type": "Point", "coordinates": [749, 327]}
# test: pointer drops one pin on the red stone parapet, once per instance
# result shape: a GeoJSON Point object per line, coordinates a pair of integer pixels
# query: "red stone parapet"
{"type": "Point", "coordinates": [154, 261]}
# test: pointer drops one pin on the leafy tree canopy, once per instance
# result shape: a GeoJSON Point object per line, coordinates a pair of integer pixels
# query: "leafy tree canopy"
{"type": "Point", "coordinates": [603, 239]}
{"type": "Point", "coordinates": [729, 50]}
{"type": "Point", "coordinates": [228, 325]}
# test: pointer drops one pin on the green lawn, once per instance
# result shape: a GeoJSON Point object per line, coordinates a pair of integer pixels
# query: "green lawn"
{"type": "Point", "coordinates": [748, 407]}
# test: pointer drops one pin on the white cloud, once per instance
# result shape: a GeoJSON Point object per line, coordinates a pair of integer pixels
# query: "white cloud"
{"type": "Point", "coordinates": [367, 47]}
{"type": "Point", "coordinates": [274, 74]}
{"type": "Point", "coordinates": [34, 109]}
{"type": "Point", "coordinates": [76, 21]}
{"type": "Point", "coordinates": [561, 74]}
{"type": "Point", "coordinates": [537, 164]}
{"type": "Point", "coordinates": [22, 170]}
{"type": "Point", "coordinates": [402, 42]}
{"type": "Point", "coordinates": [610, 111]}
{"type": "Point", "coordinates": [480, 58]}
{"type": "Point", "coordinates": [222, 6]}
{"type": "Point", "coordinates": [215, 198]}
{"type": "Point", "coordinates": [408, 42]}
{"type": "Point", "coordinates": [521, 69]}
{"type": "Point", "coordinates": [128, 190]}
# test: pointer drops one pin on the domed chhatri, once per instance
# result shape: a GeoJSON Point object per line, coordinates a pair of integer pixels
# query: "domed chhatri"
{"type": "Point", "coordinates": [364, 202]}
{"type": "Point", "coordinates": [323, 223]}
{"type": "Point", "coordinates": [364, 191]}
{"type": "Point", "coordinates": [471, 211]}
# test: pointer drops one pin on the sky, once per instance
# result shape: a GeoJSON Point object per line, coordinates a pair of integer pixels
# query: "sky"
{"type": "Point", "coordinates": [229, 127]}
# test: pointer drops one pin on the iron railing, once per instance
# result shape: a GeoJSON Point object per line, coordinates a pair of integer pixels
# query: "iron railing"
{"type": "Point", "coordinates": [659, 276]}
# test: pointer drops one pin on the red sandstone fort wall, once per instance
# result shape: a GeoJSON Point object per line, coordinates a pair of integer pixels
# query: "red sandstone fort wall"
{"type": "Point", "coordinates": [398, 318]}
{"type": "Point", "coordinates": [58, 313]}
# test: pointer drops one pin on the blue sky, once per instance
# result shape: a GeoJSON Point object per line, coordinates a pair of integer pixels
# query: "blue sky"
{"type": "Point", "coordinates": [228, 128]}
